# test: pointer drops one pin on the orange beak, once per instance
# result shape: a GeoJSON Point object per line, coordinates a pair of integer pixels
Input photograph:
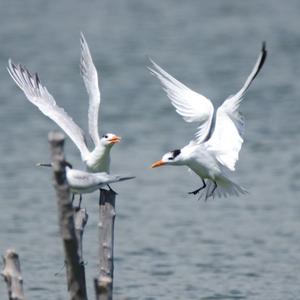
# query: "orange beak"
{"type": "Point", "coordinates": [158, 163]}
{"type": "Point", "coordinates": [115, 139]}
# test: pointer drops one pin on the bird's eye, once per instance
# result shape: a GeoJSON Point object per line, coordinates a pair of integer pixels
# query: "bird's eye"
{"type": "Point", "coordinates": [105, 136]}
{"type": "Point", "coordinates": [171, 158]}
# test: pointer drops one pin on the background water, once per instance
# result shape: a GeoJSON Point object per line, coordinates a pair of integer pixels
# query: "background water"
{"type": "Point", "coordinates": [168, 244]}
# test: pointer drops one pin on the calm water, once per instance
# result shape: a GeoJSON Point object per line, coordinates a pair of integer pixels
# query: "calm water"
{"type": "Point", "coordinates": [168, 244]}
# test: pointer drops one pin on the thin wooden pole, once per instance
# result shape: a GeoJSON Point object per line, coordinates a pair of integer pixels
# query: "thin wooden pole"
{"type": "Point", "coordinates": [75, 273]}
{"type": "Point", "coordinates": [81, 218]}
{"type": "Point", "coordinates": [104, 283]}
{"type": "Point", "coordinates": [12, 275]}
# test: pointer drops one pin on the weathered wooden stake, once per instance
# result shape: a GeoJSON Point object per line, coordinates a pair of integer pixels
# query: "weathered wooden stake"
{"type": "Point", "coordinates": [104, 283]}
{"type": "Point", "coordinates": [12, 275]}
{"type": "Point", "coordinates": [81, 218]}
{"type": "Point", "coordinates": [75, 272]}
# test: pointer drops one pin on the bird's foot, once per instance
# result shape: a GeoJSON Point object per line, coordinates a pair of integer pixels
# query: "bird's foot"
{"type": "Point", "coordinates": [195, 192]}
{"type": "Point", "coordinates": [83, 263]}
{"type": "Point", "coordinates": [112, 189]}
{"type": "Point", "coordinates": [212, 193]}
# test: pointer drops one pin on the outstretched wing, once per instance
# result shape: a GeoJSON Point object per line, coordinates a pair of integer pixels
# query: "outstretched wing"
{"type": "Point", "coordinates": [90, 78]}
{"type": "Point", "coordinates": [192, 106]}
{"type": "Point", "coordinates": [227, 138]}
{"type": "Point", "coordinates": [41, 98]}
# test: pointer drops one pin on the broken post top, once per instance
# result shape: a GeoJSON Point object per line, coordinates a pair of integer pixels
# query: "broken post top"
{"type": "Point", "coordinates": [56, 136]}
{"type": "Point", "coordinates": [57, 140]}
{"type": "Point", "coordinates": [12, 275]}
{"type": "Point", "coordinates": [11, 260]}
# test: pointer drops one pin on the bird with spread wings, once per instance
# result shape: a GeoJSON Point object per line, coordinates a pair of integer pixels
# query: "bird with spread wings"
{"type": "Point", "coordinates": [97, 160]}
{"type": "Point", "coordinates": [215, 149]}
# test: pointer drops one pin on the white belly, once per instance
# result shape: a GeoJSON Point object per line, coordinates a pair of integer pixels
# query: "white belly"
{"type": "Point", "coordinates": [204, 164]}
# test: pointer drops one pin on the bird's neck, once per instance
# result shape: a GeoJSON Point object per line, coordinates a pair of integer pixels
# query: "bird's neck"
{"type": "Point", "coordinates": [99, 160]}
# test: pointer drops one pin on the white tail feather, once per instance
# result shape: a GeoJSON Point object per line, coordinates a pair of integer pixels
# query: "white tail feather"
{"type": "Point", "coordinates": [225, 188]}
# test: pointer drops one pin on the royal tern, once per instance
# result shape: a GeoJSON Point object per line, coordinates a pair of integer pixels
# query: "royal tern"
{"type": "Point", "coordinates": [215, 149]}
{"type": "Point", "coordinates": [97, 160]}
{"type": "Point", "coordinates": [82, 182]}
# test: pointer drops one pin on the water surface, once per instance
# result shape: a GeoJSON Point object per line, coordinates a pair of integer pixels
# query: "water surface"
{"type": "Point", "coordinates": [168, 244]}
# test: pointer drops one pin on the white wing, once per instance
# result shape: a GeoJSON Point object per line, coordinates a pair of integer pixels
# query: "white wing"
{"type": "Point", "coordinates": [192, 106]}
{"type": "Point", "coordinates": [227, 138]}
{"type": "Point", "coordinates": [90, 78]}
{"type": "Point", "coordinates": [40, 97]}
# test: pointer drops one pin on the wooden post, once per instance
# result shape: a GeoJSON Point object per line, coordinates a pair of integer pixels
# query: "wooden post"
{"type": "Point", "coordinates": [104, 283]}
{"type": "Point", "coordinates": [75, 273]}
{"type": "Point", "coordinates": [81, 218]}
{"type": "Point", "coordinates": [12, 275]}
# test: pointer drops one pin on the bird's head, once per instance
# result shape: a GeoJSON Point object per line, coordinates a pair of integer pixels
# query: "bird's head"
{"type": "Point", "coordinates": [109, 139]}
{"type": "Point", "coordinates": [170, 158]}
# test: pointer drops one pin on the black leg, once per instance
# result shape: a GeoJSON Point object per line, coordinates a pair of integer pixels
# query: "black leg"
{"type": "Point", "coordinates": [73, 197]}
{"type": "Point", "coordinates": [198, 190]}
{"type": "Point", "coordinates": [112, 189]}
{"type": "Point", "coordinates": [212, 192]}
{"type": "Point", "coordinates": [80, 199]}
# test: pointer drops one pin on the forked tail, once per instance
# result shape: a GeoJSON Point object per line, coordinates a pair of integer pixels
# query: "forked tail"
{"type": "Point", "coordinates": [123, 178]}
{"type": "Point", "coordinates": [118, 178]}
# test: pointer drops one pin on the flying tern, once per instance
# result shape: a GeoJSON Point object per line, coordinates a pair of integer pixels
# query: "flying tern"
{"type": "Point", "coordinates": [215, 148]}
{"type": "Point", "coordinates": [82, 182]}
{"type": "Point", "coordinates": [97, 160]}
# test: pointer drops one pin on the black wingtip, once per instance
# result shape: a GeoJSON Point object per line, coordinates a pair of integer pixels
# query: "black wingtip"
{"type": "Point", "coordinates": [264, 54]}
{"type": "Point", "coordinates": [264, 47]}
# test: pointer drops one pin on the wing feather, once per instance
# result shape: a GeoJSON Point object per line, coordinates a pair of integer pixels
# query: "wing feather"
{"type": "Point", "coordinates": [227, 138]}
{"type": "Point", "coordinates": [192, 106]}
{"type": "Point", "coordinates": [90, 78]}
{"type": "Point", "coordinates": [41, 98]}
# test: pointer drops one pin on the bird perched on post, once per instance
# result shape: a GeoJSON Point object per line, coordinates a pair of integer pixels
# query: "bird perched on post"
{"type": "Point", "coordinates": [215, 149]}
{"type": "Point", "coordinates": [97, 160]}
{"type": "Point", "coordinates": [82, 182]}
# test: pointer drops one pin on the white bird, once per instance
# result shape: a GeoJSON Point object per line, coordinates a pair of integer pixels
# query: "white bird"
{"type": "Point", "coordinates": [82, 182]}
{"type": "Point", "coordinates": [215, 149]}
{"type": "Point", "coordinates": [97, 160]}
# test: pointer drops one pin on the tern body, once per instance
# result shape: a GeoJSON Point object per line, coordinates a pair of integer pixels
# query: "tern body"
{"type": "Point", "coordinates": [82, 182]}
{"type": "Point", "coordinates": [97, 160]}
{"type": "Point", "coordinates": [214, 151]}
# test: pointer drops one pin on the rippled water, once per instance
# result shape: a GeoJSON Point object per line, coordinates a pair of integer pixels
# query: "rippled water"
{"type": "Point", "coordinates": [168, 245]}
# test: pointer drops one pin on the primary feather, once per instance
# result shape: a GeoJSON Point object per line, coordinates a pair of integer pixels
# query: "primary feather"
{"type": "Point", "coordinates": [38, 95]}
{"type": "Point", "coordinates": [227, 138]}
{"type": "Point", "coordinates": [192, 106]}
{"type": "Point", "coordinates": [90, 77]}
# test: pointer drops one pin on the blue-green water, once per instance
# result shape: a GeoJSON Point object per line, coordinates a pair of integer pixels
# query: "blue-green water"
{"type": "Point", "coordinates": [167, 244]}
